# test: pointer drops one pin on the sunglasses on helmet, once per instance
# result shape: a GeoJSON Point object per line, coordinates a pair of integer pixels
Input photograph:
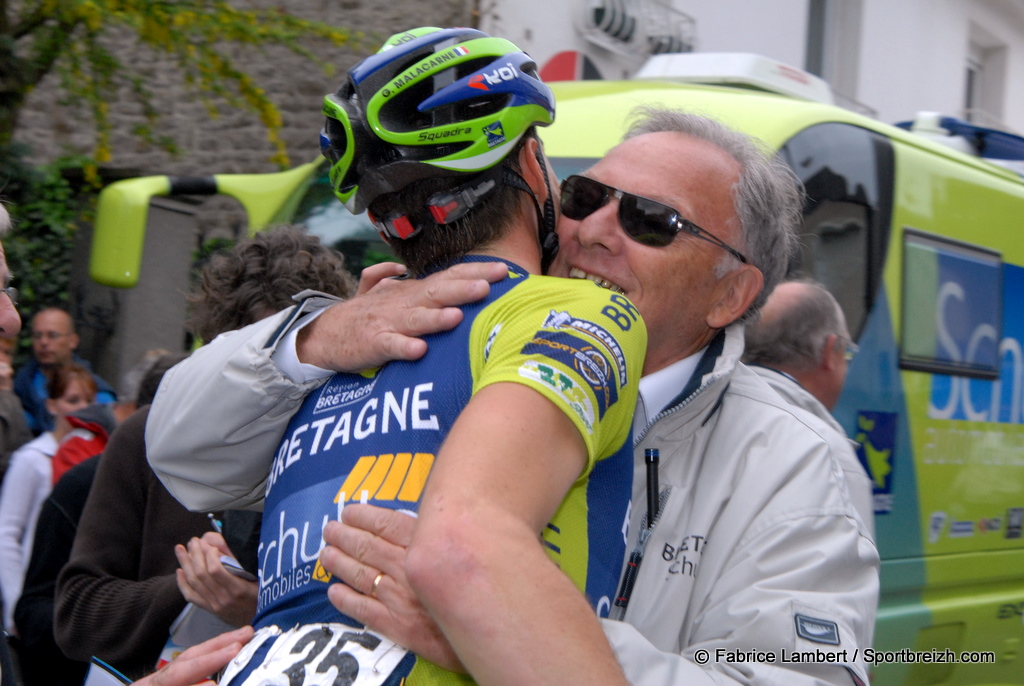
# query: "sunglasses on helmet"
{"type": "Point", "coordinates": [644, 220]}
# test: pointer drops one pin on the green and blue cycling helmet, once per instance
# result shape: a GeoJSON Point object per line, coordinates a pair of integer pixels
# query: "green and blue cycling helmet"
{"type": "Point", "coordinates": [431, 103]}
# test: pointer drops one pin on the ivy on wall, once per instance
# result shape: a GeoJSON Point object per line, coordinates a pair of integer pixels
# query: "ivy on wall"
{"type": "Point", "coordinates": [77, 39]}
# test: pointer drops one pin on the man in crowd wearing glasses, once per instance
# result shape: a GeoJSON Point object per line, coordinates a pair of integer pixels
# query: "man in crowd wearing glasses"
{"type": "Point", "coordinates": [53, 344]}
{"type": "Point", "coordinates": [802, 347]}
{"type": "Point", "coordinates": [749, 559]}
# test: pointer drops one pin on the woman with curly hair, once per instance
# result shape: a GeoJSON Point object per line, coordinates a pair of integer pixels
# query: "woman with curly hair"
{"type": "Point", "coordinates": [258, 278]}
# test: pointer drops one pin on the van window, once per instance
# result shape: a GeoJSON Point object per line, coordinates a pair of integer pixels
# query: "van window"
{"type": "Point", "coordinates": [567, 166]}
{"type": "Point", "coordinates": [952, 306]}
{"type": "Point", "coordinates": [847, 174]}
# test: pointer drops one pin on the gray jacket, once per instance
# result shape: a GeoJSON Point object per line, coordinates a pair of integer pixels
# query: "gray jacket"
{"type": "Point", "coordinates": [856, 477]}
{"type": "Point", "coordinates": [195, 448]}
{"type": "Point", "coordinates": [758, 556]}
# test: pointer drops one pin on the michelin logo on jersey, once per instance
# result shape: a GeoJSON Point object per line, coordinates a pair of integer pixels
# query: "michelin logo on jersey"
{"type": "Point", "coordinates": [589, 359]}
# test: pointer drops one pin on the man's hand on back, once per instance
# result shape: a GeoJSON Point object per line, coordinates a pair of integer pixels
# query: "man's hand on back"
{"type": "Point", "coordinates": [387, 316]}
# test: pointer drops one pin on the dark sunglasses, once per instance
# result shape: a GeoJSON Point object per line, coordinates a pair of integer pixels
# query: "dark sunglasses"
{"type": "Point", "coordinates": [646, 221]}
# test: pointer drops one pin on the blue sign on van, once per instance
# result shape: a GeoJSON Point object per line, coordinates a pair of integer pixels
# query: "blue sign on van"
{"type": "Point", "coordinates": [876, 444]}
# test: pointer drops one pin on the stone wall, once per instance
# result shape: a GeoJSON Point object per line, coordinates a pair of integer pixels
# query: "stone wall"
{"type": "Point", "coordinates": [235, 142]}
{"type": "Point", "coordinates": [116, 326]}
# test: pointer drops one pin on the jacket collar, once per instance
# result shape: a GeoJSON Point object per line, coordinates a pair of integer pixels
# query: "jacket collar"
{"type": "Point", "coordinates": [703, 392]}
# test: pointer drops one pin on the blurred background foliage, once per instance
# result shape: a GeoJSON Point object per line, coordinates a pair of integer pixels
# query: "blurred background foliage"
{"type": "Point", "coordinates": [73, 40]}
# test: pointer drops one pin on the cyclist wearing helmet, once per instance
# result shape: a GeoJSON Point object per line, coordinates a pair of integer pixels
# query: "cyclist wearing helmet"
{"type": "Point", "coordinates": [520, 415]}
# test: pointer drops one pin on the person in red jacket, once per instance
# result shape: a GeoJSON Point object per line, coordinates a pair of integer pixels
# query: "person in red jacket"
{"type": "Point", "coordinates": [92, 426]}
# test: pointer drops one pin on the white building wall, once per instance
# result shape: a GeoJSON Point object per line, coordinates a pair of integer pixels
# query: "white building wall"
{"type": "Point", "coordinates": [543, 28]}
{"type": "Point", "coordinates": [1005, 20]}
{"type": "Point", "coordinates": [913, 58]}
{"type": "Point", "coordinates": [916, 55]}
{"type": "Point", "coordinates": [911, 54]}
{"type": "Point", "coordinates": [774, 28]}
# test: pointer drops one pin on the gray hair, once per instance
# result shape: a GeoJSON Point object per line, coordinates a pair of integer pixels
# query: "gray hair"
{"type": "Point", "coordinates": [768, 198]}
{"type": "Point", "coordinates": [795, 335]}
{"type": "Point", "coordinates": [5, 221]}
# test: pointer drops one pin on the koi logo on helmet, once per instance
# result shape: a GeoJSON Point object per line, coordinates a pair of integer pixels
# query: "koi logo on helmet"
{"type": "Point", "coordinates": [485, 81]}
{"type": "Point", "coordinates": [398, 39]}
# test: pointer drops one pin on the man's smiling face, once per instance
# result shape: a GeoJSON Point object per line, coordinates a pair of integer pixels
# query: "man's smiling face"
{"type": "Point", "coordinates": [676, 287]}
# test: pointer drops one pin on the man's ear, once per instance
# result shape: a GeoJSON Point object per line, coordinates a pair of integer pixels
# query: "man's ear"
{"type": "Point", "coordinates": [734, 294]}
{"type": "Point", "coordinates": [530, 161]}
{"type": "Point", "coordinates": [74, 341]}
{"type": "Point", "coordinates": [830, 353]}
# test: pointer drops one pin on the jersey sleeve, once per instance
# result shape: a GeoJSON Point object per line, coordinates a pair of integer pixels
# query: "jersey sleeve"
{"type": "Point", "coordinates": [579, 345]}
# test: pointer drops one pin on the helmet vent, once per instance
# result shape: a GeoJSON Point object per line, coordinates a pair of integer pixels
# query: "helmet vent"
{"type": "Point", "coordinates": [481, 107]}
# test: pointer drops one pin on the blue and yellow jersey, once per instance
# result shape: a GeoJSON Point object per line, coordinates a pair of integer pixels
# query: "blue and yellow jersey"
{"type": "Point", "coordinates": [373, 437]}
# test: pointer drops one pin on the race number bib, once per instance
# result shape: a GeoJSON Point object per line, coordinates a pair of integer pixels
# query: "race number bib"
{"type": "Point", "coordinates": [318, 655]}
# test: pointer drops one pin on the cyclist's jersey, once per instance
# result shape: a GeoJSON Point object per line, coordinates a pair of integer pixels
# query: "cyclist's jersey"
{"type": "Point", "coordinates": [373, 438]}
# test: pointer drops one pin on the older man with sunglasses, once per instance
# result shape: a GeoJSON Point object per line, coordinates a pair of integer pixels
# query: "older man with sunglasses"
{"type": "Point", "coordinates": [749, 563]}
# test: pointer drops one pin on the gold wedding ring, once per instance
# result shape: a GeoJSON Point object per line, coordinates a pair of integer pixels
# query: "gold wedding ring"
{"type": "Point", "coordinates": [376, 582]}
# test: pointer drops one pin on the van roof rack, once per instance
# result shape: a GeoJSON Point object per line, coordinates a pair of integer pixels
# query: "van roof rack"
{"type": "Point", "coordinates": [742, 69]}
{"type": "Point", "coordinates": [991, 144]}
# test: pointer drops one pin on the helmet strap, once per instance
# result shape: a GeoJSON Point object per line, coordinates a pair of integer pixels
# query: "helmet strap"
{"type": "Point", "coordinates": [548, 233]}
{"type": "Point", "coordinates": [449, 206]}
{"type": "Point", "coordinates": [545, 218]}
{"type": "Point", "coordinates": [445, 207]}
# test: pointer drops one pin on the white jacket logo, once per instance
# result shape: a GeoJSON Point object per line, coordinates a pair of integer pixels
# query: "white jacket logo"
{"type": "Point", "coordinates": [684, 558]}
{"type": "Point", "coordinates": [817, 630]}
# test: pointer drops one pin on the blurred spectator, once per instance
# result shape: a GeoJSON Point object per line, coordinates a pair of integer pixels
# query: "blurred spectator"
{"type": "Point", "coordinates": [259, 277]}
{"type": "Point", "coordinates": [14, 431]}
{"type": "Point", "coordinates": [802, 347]}
{"type": "Point", "coordinates": [42, 662]}
{"type": "Point", "coordinates": [53, 344]}
{"type": "Point", "coordinates": [121, 589]}
{"type": "Point", "coordinates": [10, 325]}
{"type": "Point", "coordinates": [29, 480]}
{"type": "Point", "coordinates": [10, 320]}
{"type": "Point", "coordinates": [92, 426]}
